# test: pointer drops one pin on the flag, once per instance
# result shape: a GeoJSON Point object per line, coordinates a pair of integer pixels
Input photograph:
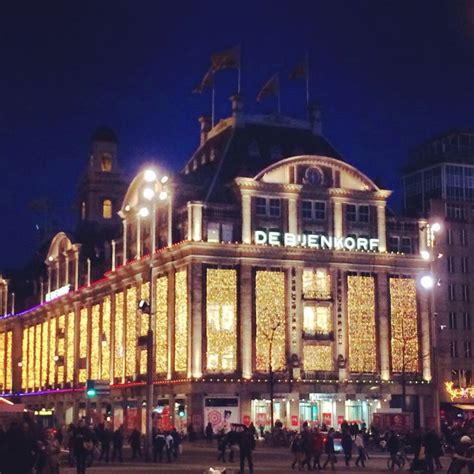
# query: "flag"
{"type": "Point", "coordinates": [228, 59]}
{"type": "Point", "coordinates": [271, 87]}
{"type": "Point", "coordinates": [207, 82]}
{"type": "Point", "coordinates": [300, 71]}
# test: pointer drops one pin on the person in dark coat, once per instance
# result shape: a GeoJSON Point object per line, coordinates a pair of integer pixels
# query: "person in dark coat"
{"type": "Point", "coordinates": [82, 447]}
{"type": "Point", "coordinates": [329, 450]}
{"type": "Point", "coordinates": [347, 446]}
{"type": "Point", "coordinates": [135, 444]}
{"type": "Point", "coordinates": [158, 446]}
{"type": "Point", "coordinates": [209, 432]}
{"type": "Point", "coordinates": [117, 445]}
{"type": "Point", "coordinates": [433, 450]}
{"type": "Point", "coordinates": [306, 446]}
{"type": "Point", "coordinates": [246, 446]}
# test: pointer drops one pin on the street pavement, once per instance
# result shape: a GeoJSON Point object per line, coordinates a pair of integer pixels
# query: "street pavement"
{"type": "Point", "coordinates": [198, 457]}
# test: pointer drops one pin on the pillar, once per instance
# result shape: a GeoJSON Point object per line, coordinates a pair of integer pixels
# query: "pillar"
{"type": "Point", "coordinates": [292, 216]}
{"type": "Point", "coordinates": [422, 235]}
{"type": "Point", "coordinates": [425, 335]}
{"type": "Point", "coordinates": [383, 312]}
{"type": "Point", "coordinates": [76, 269]}
{"type": "Point", "coordinates": [196, 305]}
{"type": "Point", "coordinates": [246, 219]}
{"type": "Point", "coordinates": [58, 273]}
{"type": "Point", "coordinates": [381, 232]}
{"type": "Point", "coordinates": [66, 273]}
{"type": "Point", "coordinates": [49, 279]}
{"type": "Point", "coordinates": [246, 341]}
{"type": "Point", "coordinates": [124, 251]}
{"type": "Point", "coordinates": [337, 219]}
{"type": "Point", "coordinates": [195, 221]}
{"type": "Point", "coordinates": [139, 238]}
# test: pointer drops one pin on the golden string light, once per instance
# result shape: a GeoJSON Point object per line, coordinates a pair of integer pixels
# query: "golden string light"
{"type": "Point", "coordinates": [318, 358]}
{"type": "Point", "coordinates": [2, 360]}
{"type": "Point", "coordinates": [119, 336]}
{"type": "Point", "coordinates": [95, 343]}
{"type": "Point", "coordinates": [37, 336]}
{"type": "Point", "coordinates": [52, 350]}
{"type": "Point", "coordinates": [44, 354]}
{"type": "Point", "coordinates": [61, 348]}
{"type": "Point", "coordinates": [8, 369]}
{"type": "Point", "coordinates": [70, 338]}
{"type": "Point", "coordinates": [316, 284]}
{"type": "Point", "coordinates": [404, 325]}
{"type": "Point", "coordinates": [83, 342]}
{"type": "Point", "coordinates": [131, 332]}
{"type": "Point", "coordinates": [361, 315]}
{"type": "Point", "coordinates": [161, 328]}
{"type": "Point", "coordinates": [105, 343]}
{"type": "Point", "coordinates": [270, 307]}
{"type": "Point", "coordinates": [459, 392]}
{"type": "Point", "coordinates": [143, 322]}
{"type": "Point", "coordinates": [31, 357]}
{"type": "Point", "coordinates": [221, 326]}
{"type": "Point", "coordinates": [24, 359]}
{"type": "Point", "coordinates": [181, 322]}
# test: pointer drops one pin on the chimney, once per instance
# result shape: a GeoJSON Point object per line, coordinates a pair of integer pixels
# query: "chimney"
{"type": "Point", "coordinates": [314, 116]}
{"type": "Point", "coordinates": [205, 122]}
{"type": "Point", "coordinates": [236, 101]}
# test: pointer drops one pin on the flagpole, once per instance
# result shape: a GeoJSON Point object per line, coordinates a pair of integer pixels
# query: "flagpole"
{"type": "Point", "coordinates": [307, 79]}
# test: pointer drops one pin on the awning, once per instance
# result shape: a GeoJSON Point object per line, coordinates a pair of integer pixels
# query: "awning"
{"type": "Point", "coordinates": [464, 406]}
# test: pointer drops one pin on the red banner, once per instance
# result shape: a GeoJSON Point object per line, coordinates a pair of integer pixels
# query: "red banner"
{"type": "Point", "coordinates": [294, 420]}
{"type": "Point", "coordinates": [246, 420]}
{"type": "Point", "coordinates": [340, 420]}
{"type": "Point", "coordinates": [327, 419]}
{"type": "Point", "coordinates": [261, 419]}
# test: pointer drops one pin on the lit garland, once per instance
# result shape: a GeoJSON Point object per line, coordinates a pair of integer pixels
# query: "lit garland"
{"type": "Point", "coordinates": [44, 354]}
{"type": "Point", "coordinates": [37, 336]}
{"type": "Point", "coordinates": [317, 319]}
{"type": "Point", "coordinates": [404, 325]}
{"type": "Point", "coordinates": [95, 343]}
{"type": "Point", "coordinates": [61, 348]}
{"type": "Point", "coordinates": [221, 304]}
{"type": "Point", "coordinates": [8, 370]}
{"type": "Point", "coordinates": [24, 359]}
{"type": "Point", "coordinates": [461, 392]}
{"type": "Point", "coordinates": [316, 284]}
{"type": "Point", "coordinates": [181, 322]}
{"type": "Point", "coordinates": [143, 322]}
{"type": "Point", "coordinates": [70, 338]}
{"type": "Point", "coordinates": [105, 346]}
{"type": "Point", "coordinates": [361, 316]}
{"type": "Point", "coordinates": [270, 308]}
{"type": "Point", "coordinates": [318, 358]}
{"type": "Point", "coordinates": [2, 360]}
{"type": "Point", "coordinates": [119, 334]}
{"type": "Point", "coordinates": [161, 329]}
{"type": "Point", "coordinates": [31, 357]}
{"type": "Point", "coordinates": [83, 340]}
{"type": "Point", "coordinates": [131, 332]}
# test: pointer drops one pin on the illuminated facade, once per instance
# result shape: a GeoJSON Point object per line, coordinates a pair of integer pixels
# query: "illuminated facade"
{"type": "Point", "coordinates": [325, 324]}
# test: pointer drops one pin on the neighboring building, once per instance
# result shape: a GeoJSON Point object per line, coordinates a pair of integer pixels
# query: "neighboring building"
{"type": "Point", "coordinates": [268, 275]}
{"type": "Point", "coordinates": [439, 186]}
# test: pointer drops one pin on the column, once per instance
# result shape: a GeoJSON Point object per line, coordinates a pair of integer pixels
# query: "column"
{"type": "Point", "coordinates": [17, 356]}
{"type": "Point", "coordinates": [381, 233]}
{"type": "Point", "coordinates": [425, 334]}
{"type": "Point", "coordinates": [422, 235]}
{"type": "Point", "coordinates": [246, 219]}
{"type": "Point", "coordinates": [139, 238]}
{"type": "Point", "coordinates": [246, 341]}
{"type": "Point", "coordinates": [170, 220]}
{"type": "Point", "coordinates": [124, 251]}
{"type": "Point", "coordinates": [337, 219]}
{"type": "Point", "coordinates": [58, 281]}
{"type": "Point", "coordinates": [66, 271]}
{"type": "Point", "coordinates": [383, 311]}
{"type": "Point", "coordinates": [197, 332]}
{"type": "Point", "coordinates": [49, 278]}
{"type": "Point", "coordinates": [76, 269]}
{"type": "Point", "coordinates": [196, 232]}
{"type": "Point", "coordinates": [292, 215]}
{"type": "Point", "coordinates": [190, 221]}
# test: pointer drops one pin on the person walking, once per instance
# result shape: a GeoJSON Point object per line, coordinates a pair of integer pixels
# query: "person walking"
{"type": "Point", "coordinates": [135, 444]}
{"type": "Point", "coordinates": [329, 450]}
{"type": "Point", "coordinates": [359, 444]}
{"type": "Point", "coordinates": [297, 451]}
{"type": "Point", "coordinates": [209, 432]}
{"type": "Point", "coordinates": [318, 448]}
{"type": "Point", "coordinates": [347, 445]}
{"type": "Point", "coordinates": [306, 446]}
{"type": "Point", "coordinates": [169, 446]}
{"type": "Point", "coordinates": [117, 444]}
{"type": "Point", "coordinates": [246, 446]}
{"type": "Point", "coordinates": [158, 446]}
{"type": "Point", "coordinates": [221, 447]}
{"type": "Point", "coordinates": [83, 445]}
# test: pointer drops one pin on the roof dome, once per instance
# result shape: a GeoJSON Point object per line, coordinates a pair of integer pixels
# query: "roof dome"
{"type": "Point", "coordinates": [104, 134]}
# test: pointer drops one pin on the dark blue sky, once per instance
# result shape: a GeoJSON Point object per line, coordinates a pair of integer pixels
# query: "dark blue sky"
{"type": "Point", "coordinates": [388, 74]}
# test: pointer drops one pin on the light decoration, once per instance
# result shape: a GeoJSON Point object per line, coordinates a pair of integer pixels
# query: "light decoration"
{"type": "Point", "coordinates": [221, 326]}
{"type": "Point", "coordinates": [95, 343]}
{"type": "Point", "coordinates": [316, 284]}
{"type": "Point", "coordinates": [44, 353]}
{"type": "Point", "coordinates": [38, 355]}
{"type": "Point", "coordinates": [404, 325]}
{"type": "Point", "coordinates": [31, 357]}
{"type": "Point", "coordinates": [161, 328]}
{"type": "Point", "coordinates": [2, 361]}
{"type": "Point", "coordinates": [24, 359]}
{"type": "Point", "coordinates": [119, 336]}
{"type": "Point", "coordinates": [318, 358]}
{"type": "Point", "coordinates": [8, 367]}
{"type": "Point", "coordinates": [52, 350]}
{"type": "Point", "coordinates": [459, 392]}
{"type": "Point", "coordinates": [270, 307]}
{"type": "Point", "coordinates": [61, 348]}
{"type": "Point", "coordinates": [181, 322]}
{"type": "Point", "coordinates": [317, 319]}
{"type": "Point", "coordinates": [83, 342]}
{"type": "Point", "coordinates": [70, 338]}
{"type": "Point", "coordinates": [361, 316]}
{"type": "Point", "coordinates": [131, 332]}
{"type": "Point", "coordinates": [105, 344]}
{"type": "Point", "coordinates": [143, 321]}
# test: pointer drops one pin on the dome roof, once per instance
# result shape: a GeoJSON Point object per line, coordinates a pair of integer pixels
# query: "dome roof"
{"type": "Point", "coordinates": [104, 134]}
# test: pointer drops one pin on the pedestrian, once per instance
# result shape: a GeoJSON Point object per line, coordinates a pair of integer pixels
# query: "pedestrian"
{"type": "Point", "coordinates": [221, 447]}
{"type": "Point", "coordinates": [117, 444]}
{"type": "Point", "coordinates": [105, 442]}
{"type": "Point", "coordinates": [306, 446]}
{"type": "Point", "coordinates": [83, 445]}
{"type": "Point", "coordinates": [462, 456]}
{"type": "Point", "coordinates": [177, 447]}
{"type": "Point", "coordinates": [209, 432]}
{"type": "Point", "coordinates": [346, 442]}
{"type": "Point", "coordinates": [191, 433]}
{"type": "Point", "coordinates": [169, 445]}
{"type": "Point", "coordinates": [252, 429]}
{"type": "Point", "coordinates": [297, 451]}
{"type": "Point", "coordinates": [53, 450]}
{"type": "Point", "coordinates": [158, 446]}
{"type": "Point", "coordinates": [246, 446]}
{"type": "Point", "coordinates": [359, 443]}
{"type": "Point", "coordinates": [135, 444]}
{"type": "Point", "coordinates": [329, 450]}
{"type": "Point", "coordinates": [318, 448]}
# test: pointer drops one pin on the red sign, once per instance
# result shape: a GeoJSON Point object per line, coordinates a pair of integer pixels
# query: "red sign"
{"type": "Point", "coordinates": [132, 418]}
{"type": "Point", "coordinates": [327, 419]}
{"type": "Point", "coordinates": [246, 420]}
{"type": "Point", "coordinates": [294, 420]}
{"type": "Point", "coordinates": [340, 420]}
{"type": "Point", "coordinates": [261, 419]}
{"type": "Point", "coordinates": [393, 421]}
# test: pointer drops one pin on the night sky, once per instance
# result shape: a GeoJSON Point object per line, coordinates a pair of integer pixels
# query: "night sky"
{"type": "Point", "coordinates": [388, 74]}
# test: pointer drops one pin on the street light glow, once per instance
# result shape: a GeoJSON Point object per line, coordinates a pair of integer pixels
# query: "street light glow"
{"type": "Point", "coordinates": [144, 212]}
{"type": "Point", "coordinates": [164, 179]}
{"type": "Point", "coordinates": [436, 227]}
{"type": "Point", "coordinates": [425, 255]}
{"type": "Point", "coordinates": [163, 195]}
{"type": "Point", "coordinates": [427, 282]}
{"type": "Point", "coordinates": [149, 176]}
{"type": "Point", "coordinates": [148, 193]}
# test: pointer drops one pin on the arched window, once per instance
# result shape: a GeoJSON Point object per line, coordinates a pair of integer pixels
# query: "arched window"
{"type": "Point", "coordinates": [107, 209]}
{"type": "Point", "coordinates": [106, 162]}
{"type": "Point", "coordinates": [83, 210]}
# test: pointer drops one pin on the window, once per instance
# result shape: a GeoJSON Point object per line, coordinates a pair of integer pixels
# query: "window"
{"type": "Point", "coordinates": [450, 263]}
{"type": "Point", "coordinates": [466, 320]}
{"type": "Point", "coordinates": [455, 212]}
{"type": "Point", "coordinates": [453, 324]}
{"type": "Point", "coordinates": [227, 233]}
{"type": "Point", "coordinates": [467, 349]}
{"type": "Point", "coordinates": [317, 320]}
{"type": "Point", "coordinates": [213, 232]}
{"type": "Point", "coordinates": [465, 264]}
{"type": "Point", "coordinates": [453, 349]}
{"type": "Point", "coordinates": [351, 213]}
{"type": "Point", "coordinates": [394, 243]}
{"type": "Point", "coordinates": [449, 237]}
{"type": "Point", "coordinates": [267, 207]}
{"type": "Point", "coordinates": [307, 209]}
{"type": "Point", "coordinates": [463, 237]}
{"type": "Point", "coordinates": [363, 213]}
{"type": "Point", "coordinates": [217, 232]}
{"type": "Point", "coordinates": [275, 207]}
{"type": "Point", "coordinates": [465, 292]}
{"type": "Point", "coordinates": [461, 377]}
{"type": "Point", "coordinates": [406, 245]}
{"type": "Point", "coordinates": [107, 209]}
{"type": "Point", "coordinates": [451, 292]}
{"type": "Point", "coordinates": [106, 162]}
{"type": "Point", "coordinates": [83, 210]}
{"type": "Point", "coordinates": [357, 213]}
{"type": "Point", "coordinates": [313, 210]}
{"type": "Point", "coordinates": [261, 206]}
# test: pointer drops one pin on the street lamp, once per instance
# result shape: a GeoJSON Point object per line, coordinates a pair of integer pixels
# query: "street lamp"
{"type": "Point", "coordinates": [427, 281]}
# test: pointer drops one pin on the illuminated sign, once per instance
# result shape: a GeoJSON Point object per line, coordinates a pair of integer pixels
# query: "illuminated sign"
{"type": "Point", "coordinates": [316, 241]}
{"type": "Point", "coordinates": [57, 293]}
{"type": "Point", "coordinates": [462, 392]}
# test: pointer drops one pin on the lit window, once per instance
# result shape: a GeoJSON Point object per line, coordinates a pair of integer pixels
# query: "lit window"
{"type": "Point", "coordinates": [106, 162]}
{"type": "Point", "coordinates": [213, 232]}
{"type": "Point", "coordinates": [107, 209]}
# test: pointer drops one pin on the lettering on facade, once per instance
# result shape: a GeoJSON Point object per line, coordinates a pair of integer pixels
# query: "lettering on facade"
{"type": "Point", "coordinates": [316, 241]}
{"type": "Point", "coordinates": [57, 293]}
{"type": "Point", "coordinates": [339, 313]}
{"type": "Point", "coordinates": [293, 309]}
